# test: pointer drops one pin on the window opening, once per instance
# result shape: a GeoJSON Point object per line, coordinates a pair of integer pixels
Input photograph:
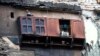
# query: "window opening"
{"type": "Point", "coordinates": [65, 27]}
{"type": "Point", "coordinates": [12, 14]}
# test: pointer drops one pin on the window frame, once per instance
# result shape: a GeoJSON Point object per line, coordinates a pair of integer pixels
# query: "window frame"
{"type": "Point", "coordinates": [40, 26]}
{"type": "Point", "coordinates": [27, 25]}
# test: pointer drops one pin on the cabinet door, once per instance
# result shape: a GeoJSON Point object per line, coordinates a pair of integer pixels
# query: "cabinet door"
{"type": "Point", "coordinates": [77, 29]}
{"type": "Point", "coordinates": [53, 27]}
{"type": "Point", "coordinates": [40, 25]}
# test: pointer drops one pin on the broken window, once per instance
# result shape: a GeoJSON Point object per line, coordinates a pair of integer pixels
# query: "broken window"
{"type": "Point", "coordinates": [39, 26]}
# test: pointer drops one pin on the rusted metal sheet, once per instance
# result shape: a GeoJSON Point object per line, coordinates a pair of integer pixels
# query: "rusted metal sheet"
{"type": "Point", "coordinates": [77, 29]}
{"type": "Point", "coordinates": [53, 27]}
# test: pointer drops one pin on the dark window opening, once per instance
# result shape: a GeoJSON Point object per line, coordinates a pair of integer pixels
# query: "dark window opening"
{"type": "Point", "coordinates": [65, 25]}
{"type": "Point", "coordinates": [12, 14]}
{"type": "Point", "coordinates": [41, 5]}
{"type": "Point", "coordinates": [87, 17]}
{"type": "Point", "coordinates": [40, 26]}
{"type": "Point", "coordinates": [98, 16]}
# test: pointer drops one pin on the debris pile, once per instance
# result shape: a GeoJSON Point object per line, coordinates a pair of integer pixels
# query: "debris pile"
{"type": "Point", "coordinates": [4, 49]}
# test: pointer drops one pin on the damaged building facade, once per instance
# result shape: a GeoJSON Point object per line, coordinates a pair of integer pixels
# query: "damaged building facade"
{"type": "Point", "coordinates": [48, 28]}
{"type": "Point", "coordinates": [90, 15]}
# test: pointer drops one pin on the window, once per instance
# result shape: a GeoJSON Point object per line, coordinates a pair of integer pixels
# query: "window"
{"type": "Point", "coordinates": [39, 26]}
{"type": "Point", "coordinates": [24, 21]}
{"type": "Point", "coordinates": [12, 14]}
{"type": "Point", "coordinates": [29, 21]}
{"type": "Point", "coordinates": [98, 16]}
{"type": "Point", "coordinates": [64, 25]}
{"type": "Point", "coordinates": [37, 29]}
{"type": "Point", "coordinates": [37, 21]}
{"type": "Point", "coordinates": [29, 29]}
{"type": "Point", "coordinates": [27, 25]}
{"type": "Point", "coordinates": [24, 28]}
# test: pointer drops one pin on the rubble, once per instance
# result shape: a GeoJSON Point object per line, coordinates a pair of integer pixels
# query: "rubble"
{"type": "Point", "coordinates": [4, 49]}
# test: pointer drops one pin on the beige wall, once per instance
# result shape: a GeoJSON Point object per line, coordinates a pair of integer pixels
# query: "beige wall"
{"type": "Point", "coordinates": [5, 12]}
{"type": "Point", "coordinates": [8, 25]}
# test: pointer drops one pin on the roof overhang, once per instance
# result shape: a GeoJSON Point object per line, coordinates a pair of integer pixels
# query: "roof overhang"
{"type": "Point", "coordinates": [62, 7]}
